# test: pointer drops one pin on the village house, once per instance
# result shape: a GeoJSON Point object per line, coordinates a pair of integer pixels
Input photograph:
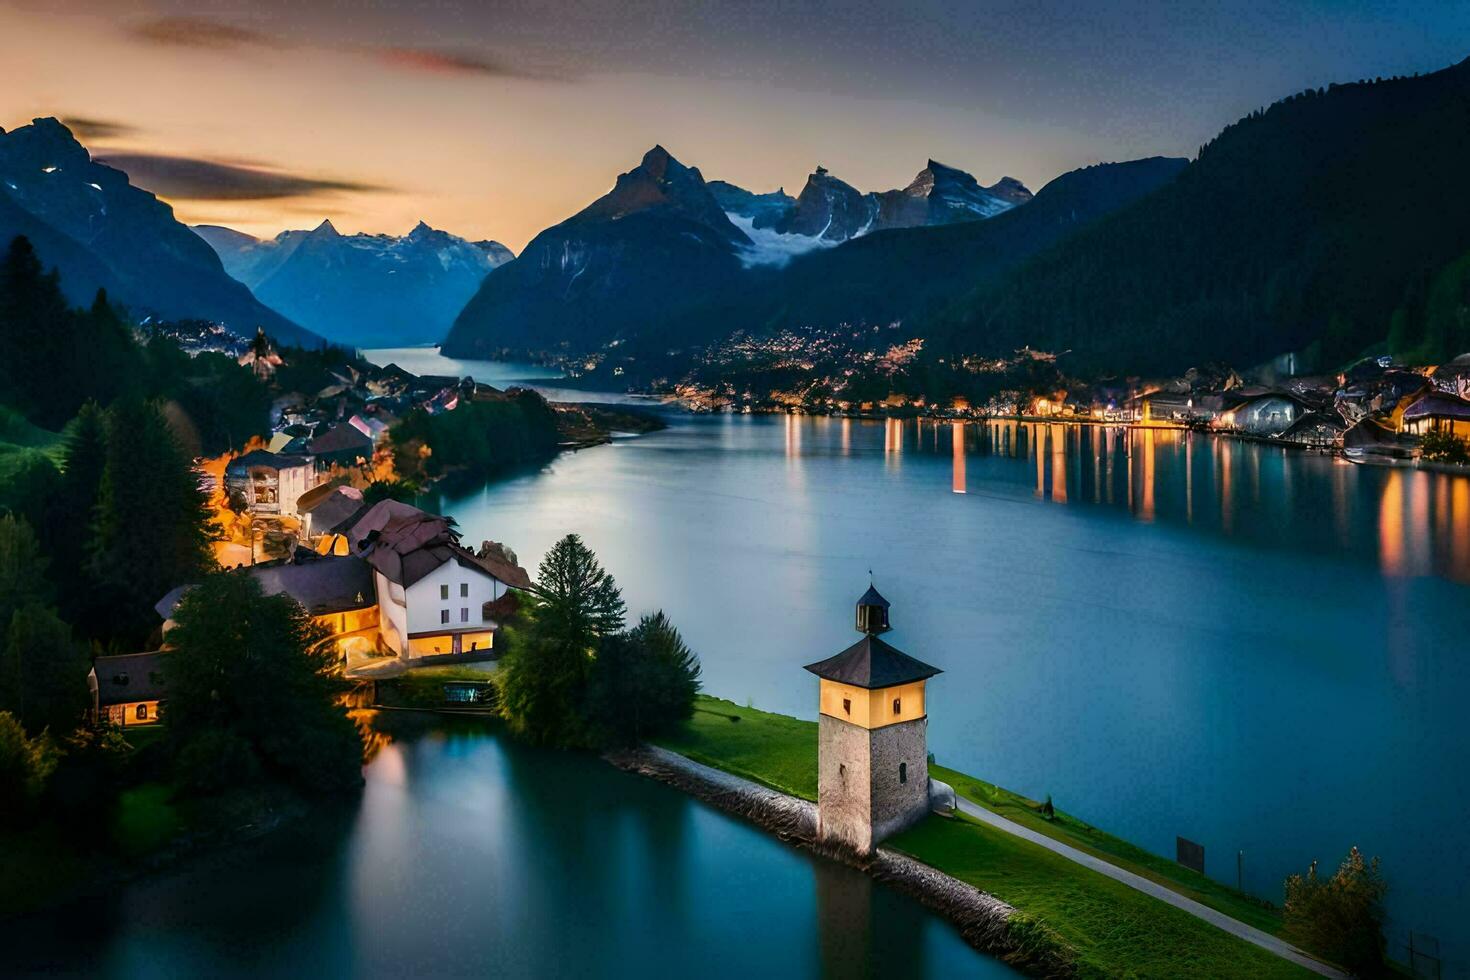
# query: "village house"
{"type": "Point", "coordinates": [1269, 414]}
{"type": "Point", "coordinates": [1316, 430]}
{"type": "Point", "coordinates": [128, 690]}
{"type": "Point", "coordinates": [1438, 411]}
{"type": "Point", "coordinates": [269, 483]}
{"type": "Point", "coordinates": [435, 597]}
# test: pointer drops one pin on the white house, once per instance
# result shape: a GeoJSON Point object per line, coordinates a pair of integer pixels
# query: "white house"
{"type": "Point", "coordinates": [435, 597]}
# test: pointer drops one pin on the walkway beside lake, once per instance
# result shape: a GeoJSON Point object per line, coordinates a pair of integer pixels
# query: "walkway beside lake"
{"type": "Point", "coordinates": [1220, 920]}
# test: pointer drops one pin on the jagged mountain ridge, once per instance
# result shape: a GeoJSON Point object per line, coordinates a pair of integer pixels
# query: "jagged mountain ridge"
{"type": "Point", "coordinates": [100, 232]}
{"type": "Point", "coordinates": [361, 290]}
{"type": "Point", "coordinates": [653, 247]}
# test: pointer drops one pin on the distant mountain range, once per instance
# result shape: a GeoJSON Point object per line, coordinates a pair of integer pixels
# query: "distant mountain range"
{"type": "Point", "coordinates": [88, 222]}
{"type": "Point", "coordinates": [361, 290]}
{"type": "Point", "coordinates": [664, 248]}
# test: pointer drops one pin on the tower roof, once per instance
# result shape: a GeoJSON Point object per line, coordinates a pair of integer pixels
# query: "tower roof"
{"type": "Point", "coordinates": [872, 598]}
{"type": "Point", "coordinates": [871, 663]}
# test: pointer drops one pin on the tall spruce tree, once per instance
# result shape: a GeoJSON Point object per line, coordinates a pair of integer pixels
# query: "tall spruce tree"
{"type": "Point", "coordinates": [35, 334]}
{"type": "Point", "coordinates": [151, 530]}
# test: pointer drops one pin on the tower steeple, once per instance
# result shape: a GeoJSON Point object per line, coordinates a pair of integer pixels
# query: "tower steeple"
{"type": "Point", "coordinates": [872, 613]}
{"type": "Point", "coordinates": [872, 756]}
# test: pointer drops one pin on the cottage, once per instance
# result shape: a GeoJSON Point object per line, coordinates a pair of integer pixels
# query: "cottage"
{"type": "Point", "coordinates": [1438, 411]}
{"type": "Point", "coordinates": [1316, 430]}
{"type": "Point", "coordinates": [435, 596]}
{"type": "Point", "coordinates": [128, 690]}
{"type": "Point", "coordinates": [269, 483]}
{"type": "Point", "coordinates": [1268, 414]}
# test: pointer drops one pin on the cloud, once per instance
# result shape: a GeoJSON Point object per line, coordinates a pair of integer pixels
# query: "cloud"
{"type": "Point", "coordinates": [91, 128]}
{"type": "Point", "coordinates": [197, 32]}
{"type": "Point", "coordinates": [190, 178]}
{"type": "Point", "coordinates": [440, 62]}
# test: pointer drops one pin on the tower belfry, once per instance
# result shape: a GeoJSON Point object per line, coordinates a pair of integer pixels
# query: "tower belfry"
{"type": "Point", "coordinates": [872, 754]}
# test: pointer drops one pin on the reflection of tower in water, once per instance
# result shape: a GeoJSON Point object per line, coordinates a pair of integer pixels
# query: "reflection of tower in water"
{"type": "Point", "coordinates": [865, 929]}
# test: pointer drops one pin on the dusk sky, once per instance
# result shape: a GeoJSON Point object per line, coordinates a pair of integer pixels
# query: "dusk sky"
{"type": "Point", "coordinates": [498, 119]}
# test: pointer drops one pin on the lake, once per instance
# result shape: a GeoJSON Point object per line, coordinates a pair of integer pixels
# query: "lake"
{"type": "Point", "coordinates": [471, 855]}
{"type": "Point", "coordinates": [1172, 634]}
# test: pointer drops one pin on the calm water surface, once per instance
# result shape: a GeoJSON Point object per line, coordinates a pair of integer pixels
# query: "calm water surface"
{"type": "Point", "coordinates": [1171, 634]}
{"type": "Point", "coordinates": [474, 856]}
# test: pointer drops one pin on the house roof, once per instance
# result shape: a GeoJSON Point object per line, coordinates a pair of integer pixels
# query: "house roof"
{"type": "Point", "coordinates": [326, 584]}
{"type": "Point", "coordinates": [1439, 404]}
{"type": "Point", "coordinates": [344, 437]}
{"type": "Point", "coordinates": [330, 508]}
{"type": "Point", "coordinates": [405, 544]}
{"type": "Point", "coordinates": [871, 663]}
{"type": "Point", "coordinates": [266, 458]}
{"type": "Point", "coordinates": [130, 677]}
{"type": "Point", "coordinates": [1311, 420]}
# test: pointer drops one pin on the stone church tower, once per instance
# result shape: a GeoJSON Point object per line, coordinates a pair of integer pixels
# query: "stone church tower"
{"type": "Point", "coordinates": [872, 756]}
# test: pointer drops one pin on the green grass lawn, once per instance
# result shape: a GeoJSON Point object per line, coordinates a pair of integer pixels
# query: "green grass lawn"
{"type": "Point", "coordinates": [1102, 917]}
{"type": "Point", "coordinates": [1114, 930]}
{"type": "Point", "coordinates": [773, 750]}
{"type": "Point", "coordinates": [1069, 830]}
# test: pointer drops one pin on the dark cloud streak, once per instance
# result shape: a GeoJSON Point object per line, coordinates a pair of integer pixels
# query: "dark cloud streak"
{"type": "Point", "coordinates": [214, 35]}
{"type": "Point", "coordinates": [198, 32]}
{"type": "Point", "coordinates": [189, 178]}
{"type": "Point", "coordinates": [91, 128]}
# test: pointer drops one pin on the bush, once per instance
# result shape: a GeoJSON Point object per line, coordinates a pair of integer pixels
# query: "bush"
{"type": "Point", "coordinates": [643, 682]}
{"type": "Point", "coordinates": [1442, 447]}
{"type": "Point", "coordinates": [25, 765]}
{"type": "Point", "coordinates": [1340, 918]}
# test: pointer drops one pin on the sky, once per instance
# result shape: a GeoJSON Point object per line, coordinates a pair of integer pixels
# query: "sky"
{"type": "Point", "coordinates": [498, 118]}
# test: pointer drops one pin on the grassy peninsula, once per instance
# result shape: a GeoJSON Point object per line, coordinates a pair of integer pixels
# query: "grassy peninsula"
{"type": "Point", "coordinates": [1110, 929]}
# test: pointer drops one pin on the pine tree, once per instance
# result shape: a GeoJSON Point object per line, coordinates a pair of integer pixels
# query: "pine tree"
{"type": "Point", "coordinates": [35, 335]}
{"type": "Point", "coordinates": [43, 672]}
{"type": "Point", "coordinates": [74, 506]}
{"type": "Point", "coordinates": [152, 521]}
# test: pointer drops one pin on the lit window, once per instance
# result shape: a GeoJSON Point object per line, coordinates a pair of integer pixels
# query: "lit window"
{"type": "Point", "coordinates": [444, 615]}
{"type": "Point", "coordinates": [898, 706]}
{"type": "Point", "coordinates": [847, 706]}
{"type": "Point", "coordinates": [464, 590]}
{"type": "Point", "coordinates": [142, 712]}
{"type": "Point", "coordinates": [444, 592]}
{"type": "Point", "coordinates": [464, 615]}
{"type": "Point", "coordinates": [903, 772]}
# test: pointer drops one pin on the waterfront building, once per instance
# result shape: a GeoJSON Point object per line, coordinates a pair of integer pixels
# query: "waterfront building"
{"type": "Point", "coordinates": [872, 750]}
{"type": "Point", "coordinates": [1438, 411]}
{"type": "Point", "coordinates": [435, 596]}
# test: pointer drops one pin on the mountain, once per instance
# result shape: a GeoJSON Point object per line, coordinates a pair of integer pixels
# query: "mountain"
{"type": "Point", "coordinates": [899, 274]}
{"type": "Point", "coordinates": [86, 220]}
{"type": "Point", "coordinates": [655, 246]}
{"type": "Point", "coordinates": [1324, 222]}
{"type": "Point", "coordinates": [832, 210]}
{"type": "Point", "coordinates": [765, 209]}
{"type": "Point", "coordinates": [906, 274]}
{"type": "Point", "coordinates": [361, 290]}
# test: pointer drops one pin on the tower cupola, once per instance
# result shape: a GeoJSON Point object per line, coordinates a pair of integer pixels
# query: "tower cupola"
{"type": "Point", "coordinates": [872, 613]}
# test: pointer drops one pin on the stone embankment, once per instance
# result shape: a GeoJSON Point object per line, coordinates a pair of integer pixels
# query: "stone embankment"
{"type": "Point", "coordinates": [986, 923]}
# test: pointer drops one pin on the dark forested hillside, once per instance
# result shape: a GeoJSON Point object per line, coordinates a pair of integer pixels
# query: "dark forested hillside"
{"type": "Point", "coordinates": [1309, 223]}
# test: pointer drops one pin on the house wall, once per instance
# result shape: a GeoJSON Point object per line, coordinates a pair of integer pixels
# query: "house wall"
{"type": "Point", "coordinates": [1266, 416]}
{"type": "Point", "coordinates": [872, 709]}
{"type": "Point", "coordinates": [126, 714]}
{"type": "Point", "coordinates": [1459, 428]}
{"type": "Point", "coordinates": [392, 613]}
{"type": "Point", "coordinates": [295, 481]}
{"type": "Point", "coordinates": [425, 605]}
